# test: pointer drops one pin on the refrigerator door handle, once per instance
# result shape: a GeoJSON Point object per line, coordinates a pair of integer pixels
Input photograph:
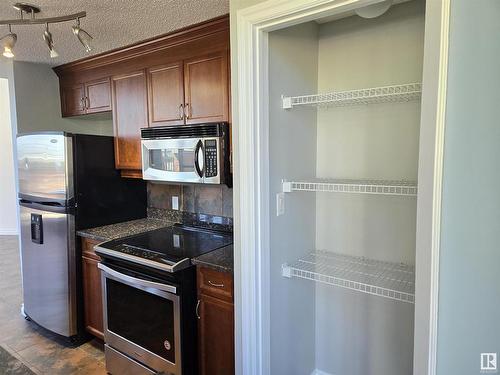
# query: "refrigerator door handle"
{"type": "Point", "coordinates": [47, 207]}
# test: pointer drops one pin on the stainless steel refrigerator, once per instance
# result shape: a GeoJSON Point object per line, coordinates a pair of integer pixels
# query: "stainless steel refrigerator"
{"type": "Point", "coordinates": [67, 182]}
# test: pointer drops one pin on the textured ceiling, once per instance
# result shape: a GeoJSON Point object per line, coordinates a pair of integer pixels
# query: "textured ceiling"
{"type": "Point", "coordinates": [112, 23]}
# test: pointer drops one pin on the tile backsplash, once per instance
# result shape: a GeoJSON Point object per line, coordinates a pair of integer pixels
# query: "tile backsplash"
{"type": "Point", "coordinates": [206, 199]}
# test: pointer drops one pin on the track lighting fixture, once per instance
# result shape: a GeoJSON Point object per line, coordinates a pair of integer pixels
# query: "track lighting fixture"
{"type": "Point", "coordinates": [84, 37]}
{"type": "Point", "coordinates": [8, 43]}
{"type": "Point", "coordinates": [27, 14]}
{"type": "Point", "coordinates": [47, 36]}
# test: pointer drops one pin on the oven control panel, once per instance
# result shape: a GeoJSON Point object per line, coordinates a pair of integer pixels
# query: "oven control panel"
{"type": "Point", "coordinates": [211, 158]}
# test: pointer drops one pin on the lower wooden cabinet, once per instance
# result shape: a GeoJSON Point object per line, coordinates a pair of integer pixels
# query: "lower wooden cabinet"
{"type": "Point", "coordinates": [215, 322]}
{"type": "Point", "coordinates": [92, 294]}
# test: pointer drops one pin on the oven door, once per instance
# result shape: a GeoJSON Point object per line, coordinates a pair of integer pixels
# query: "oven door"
{"type": "Point", "coordinates": [174, 160]}
{"type": "Point", "coordinates": [142, 319]}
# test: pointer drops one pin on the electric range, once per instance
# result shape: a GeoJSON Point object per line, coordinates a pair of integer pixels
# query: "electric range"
{"type": "Point", "coordinates": [150, 299]}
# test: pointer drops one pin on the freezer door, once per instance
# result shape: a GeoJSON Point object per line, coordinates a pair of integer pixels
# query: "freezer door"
{"type": "Point", "coordinates": [49, 267]}
{"type": "Point", "coordinates": [45, 166]}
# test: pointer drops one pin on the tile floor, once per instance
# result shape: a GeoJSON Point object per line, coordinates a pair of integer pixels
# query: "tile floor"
{"type": "Point", "coordinates": [36, 349]}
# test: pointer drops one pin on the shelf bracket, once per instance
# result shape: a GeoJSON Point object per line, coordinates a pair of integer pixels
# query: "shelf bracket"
{"type": "Point", "coordinates": [287, 102]}
{"type": "Point", "coordinates": [287, 186]}
{"type": "Point", "coordinates": [286, 270]}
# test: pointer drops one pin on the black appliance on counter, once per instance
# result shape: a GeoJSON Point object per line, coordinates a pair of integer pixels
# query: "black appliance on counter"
{"type": "Point", "coordinates": [149, 299]}
{"type": "Point", "coordinates": [67, 182]}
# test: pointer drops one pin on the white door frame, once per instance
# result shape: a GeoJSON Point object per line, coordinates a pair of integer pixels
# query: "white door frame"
{"type": "Point", "coordinates": [251, 148]}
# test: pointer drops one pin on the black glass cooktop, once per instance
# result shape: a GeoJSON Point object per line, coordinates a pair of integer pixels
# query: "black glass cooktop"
{"type": "Point", "coordinates": [168, 245]}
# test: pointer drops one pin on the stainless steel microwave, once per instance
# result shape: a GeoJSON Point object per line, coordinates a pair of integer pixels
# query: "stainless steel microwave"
{"type": "Point", "coordinates": [186, 153]}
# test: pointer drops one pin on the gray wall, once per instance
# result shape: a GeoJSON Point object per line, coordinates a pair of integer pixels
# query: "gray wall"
{"type": "Point", "coordinates": [469, 289]}
{"type": "Point", "coordinates": [293, 70]}
{"type": "Point", "coordinates": [38, 104]}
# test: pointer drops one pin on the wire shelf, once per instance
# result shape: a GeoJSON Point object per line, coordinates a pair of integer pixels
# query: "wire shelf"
{"type": "Point", "coordinates": [395, 281]}
{"type": "Point", "coordinates": [383, 187]}
{"type": "Point", "coordinates": [374, 95]}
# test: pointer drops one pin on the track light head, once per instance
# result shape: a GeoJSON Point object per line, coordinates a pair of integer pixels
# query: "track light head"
{"type": "Point", "coordinates": [47, 37]}
{"type": "Point", "coordinates": [84, 37]}
{"type": "Point", "coordinates": [8, 43]}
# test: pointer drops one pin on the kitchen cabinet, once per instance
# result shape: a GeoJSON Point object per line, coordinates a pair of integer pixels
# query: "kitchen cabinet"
{"type": "Point", "coordinates": [166, 95]}
{"type": "Point", "coordinates": [215, 312]}
{"type": "Point", "coordinates": [83, 98]}
{"type": "Point", "coordinates": [72, 100]}
{"type": "Point", "coordinates": [206, 88]}
{"type": "Point", "coordinates": [130, 114]}
{"type": "Point", "coordinates": [193, 91]}
{"type": "Point", "coordinates": [98, 96]}
{"type": "Point", "coordinates": [92, 292]}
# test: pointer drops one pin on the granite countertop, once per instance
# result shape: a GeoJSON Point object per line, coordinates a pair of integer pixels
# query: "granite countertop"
{"type": "Point", "coordinates": [127, 228]}
{"type": "Point", "coordinates": [220, 259]}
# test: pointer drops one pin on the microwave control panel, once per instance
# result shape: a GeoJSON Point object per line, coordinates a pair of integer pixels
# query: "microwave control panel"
{"type": "Point", "coordinates": [211, 158]}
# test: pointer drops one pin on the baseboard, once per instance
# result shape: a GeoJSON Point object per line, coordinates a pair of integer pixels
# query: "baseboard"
{"type": "Point", "coordinates": [319, 372]}
{"type": "Point", "coordinates": [8, 232]}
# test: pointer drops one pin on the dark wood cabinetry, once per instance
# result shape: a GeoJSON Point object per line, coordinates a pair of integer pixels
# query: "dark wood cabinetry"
{"type": "Point", "coordinates": [83, 98]}
{"type": "Point", "coordinates": [72, 100]}
{"type": "Point", "coordinates": [130, 114]}
{"type": "Point", "coordinates": [92, 294]}
{"type": "Point", "coordinates": [166, 95]}
{"type": "Point", "coordinates": [215, 313]}
{"type": "Point", "coordinates": [206, 88]}
{"type": "Point", "coordinates": [179, 78]}
{"type": "Point", "coordinates": [98, 96]}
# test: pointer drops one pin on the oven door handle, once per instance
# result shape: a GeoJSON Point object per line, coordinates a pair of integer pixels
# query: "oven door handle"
{"type": "Point", "coordinates": [136, 281]}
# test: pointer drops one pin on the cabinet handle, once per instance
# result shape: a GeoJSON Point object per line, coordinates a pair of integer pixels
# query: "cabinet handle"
{"type": "Point", "coordinates": [82, 102]}
{"type": "Point", "coordinates": [198, 309]}
{"type": "Point", "coordinates": [187, 110]}
{"type": "Point", "coordinates": [216, 285]}
{"type": "Point", "coordinates": [87, 102]}
{"type": "Point", "coordinates": [181, 112]}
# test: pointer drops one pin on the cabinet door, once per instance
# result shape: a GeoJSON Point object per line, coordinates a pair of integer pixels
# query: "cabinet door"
{"type": "Point", "coordinates": [72, 98]}
{"type": "Point", "coordinates": [97, 96]}
{"type": "Point", "coordinates": [216, 336]}
{"type": "Point", "coordinates": [129, 94]}
{"type": "Point", "coordinates": [92, 297]}
{"type": "Point", "coordinates": [166, 95]}
{"type": "Point", "coordinates": [206, 88]}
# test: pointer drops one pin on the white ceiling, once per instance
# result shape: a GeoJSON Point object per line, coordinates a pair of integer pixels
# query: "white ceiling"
{"type": "Point", "coordinates": [112, 23]}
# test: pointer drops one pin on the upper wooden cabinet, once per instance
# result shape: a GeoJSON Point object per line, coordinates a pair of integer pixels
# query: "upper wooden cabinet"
{"type": "Point", "coordinates": [166, 95]}
{"type": "Point", "coordinates": [206, 88]}
{"type": "Point", "coordinates": [98, 96]}
{"type": "Point", "coordinates": [83, 98]}
{"type": "Point", "coordinates": [130, 114]}
{"type": "Point", "coordinates": [72, 100]}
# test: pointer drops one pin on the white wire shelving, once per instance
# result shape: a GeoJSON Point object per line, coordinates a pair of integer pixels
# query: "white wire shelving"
{"type": "Point", "coordinates": [382, 187]}
{"type": "Point", "coordinates": [396, 93]}
{"type": "Point", "coordinates": [395, 281]}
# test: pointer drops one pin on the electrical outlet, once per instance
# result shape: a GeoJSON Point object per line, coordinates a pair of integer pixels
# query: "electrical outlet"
{"type": "Point", "coordinates": [280, 204]}
{"type": "Point", "coordinates": [175, 203]}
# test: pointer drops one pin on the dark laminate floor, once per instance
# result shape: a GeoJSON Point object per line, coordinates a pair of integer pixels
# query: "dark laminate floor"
{"type": "Point", "coordinates": [23, 340]}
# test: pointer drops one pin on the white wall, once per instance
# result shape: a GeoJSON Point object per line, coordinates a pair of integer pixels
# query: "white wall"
{"type": "Point", "coordinates": [469, 283]}
{"type": "Point", "coordinates": [38, 104]}
{"type": "Point", "coordinates": [8, 199]}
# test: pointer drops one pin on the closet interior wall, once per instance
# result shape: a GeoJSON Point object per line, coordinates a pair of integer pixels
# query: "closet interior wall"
{"type": "Point", "coordinates": [354, 333]}
{"type": "Point", "coordinates": [293, 68]}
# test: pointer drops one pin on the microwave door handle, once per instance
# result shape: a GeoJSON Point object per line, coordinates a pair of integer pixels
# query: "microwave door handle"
{"type": "Point", "coordinates": [199, 146]}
